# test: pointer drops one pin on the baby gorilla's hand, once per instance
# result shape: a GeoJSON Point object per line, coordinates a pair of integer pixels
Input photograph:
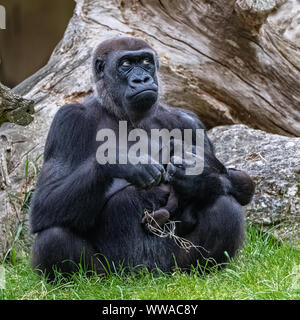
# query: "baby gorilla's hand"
{"type": "Point", "coordinates": [155, 220]}
{"type": "Point", "coordinates": [177, 177]}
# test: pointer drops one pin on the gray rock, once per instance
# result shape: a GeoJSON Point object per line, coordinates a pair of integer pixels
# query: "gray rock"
{"type": "Point", "coordinates": [273, 163]}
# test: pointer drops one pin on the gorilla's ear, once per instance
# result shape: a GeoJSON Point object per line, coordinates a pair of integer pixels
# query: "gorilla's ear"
{"type": "Point", "coordinates": [99, 67]}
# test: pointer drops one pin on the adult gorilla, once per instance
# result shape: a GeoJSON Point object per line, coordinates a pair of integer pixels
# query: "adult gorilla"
{"type": "Point", "coordinates": [79, 211]}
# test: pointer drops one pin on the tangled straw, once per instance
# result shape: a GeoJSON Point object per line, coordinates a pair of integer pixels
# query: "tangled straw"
{"type": "Point", "coordinates": [168, 231]}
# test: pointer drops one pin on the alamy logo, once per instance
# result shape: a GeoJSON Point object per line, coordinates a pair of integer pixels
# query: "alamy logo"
{"type": "Point", "coordinates": [2, 18]}
{"type": "Point", "coordinates": [137, 146]}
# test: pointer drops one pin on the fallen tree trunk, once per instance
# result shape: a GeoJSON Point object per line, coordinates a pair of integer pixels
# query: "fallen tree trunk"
{"type": "Point", "coordinates": [219, 58]}
{"type": "Point", "coordinates": [223, 59]}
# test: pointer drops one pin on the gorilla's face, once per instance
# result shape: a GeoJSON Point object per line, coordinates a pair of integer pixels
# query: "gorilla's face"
{"type": "Point", "coordinates": [130, 79]}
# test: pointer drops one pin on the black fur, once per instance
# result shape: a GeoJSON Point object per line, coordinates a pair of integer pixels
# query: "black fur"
{"type": "Point", "coordinates": [71, 212]}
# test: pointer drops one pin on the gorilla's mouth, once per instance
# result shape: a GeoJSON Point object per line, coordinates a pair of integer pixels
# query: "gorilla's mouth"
{"type": "Point", "coordinates": [145, 91]}
{"type": "Point", "coordinates": [144, 98]}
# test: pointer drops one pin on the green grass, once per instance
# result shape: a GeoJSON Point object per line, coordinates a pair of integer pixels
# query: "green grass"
{"type": "Point", "coordinates": [264, 269]}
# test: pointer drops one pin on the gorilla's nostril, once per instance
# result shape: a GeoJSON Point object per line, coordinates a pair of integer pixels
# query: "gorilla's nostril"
{"type": "Point", "coordinates": [136, 80]}
{"type": "Point", "coordinates": [141, 80]}
{"type": "Point", "coordinates": [146, 79]}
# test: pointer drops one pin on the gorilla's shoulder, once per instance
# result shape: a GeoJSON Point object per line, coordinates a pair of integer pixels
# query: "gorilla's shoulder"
{"type": "Point", "coordinates": [89, 108]}
{"type": "Point", "coordinates": [69, 116]}
{"type": "Point", "coordinates": [70, 109]}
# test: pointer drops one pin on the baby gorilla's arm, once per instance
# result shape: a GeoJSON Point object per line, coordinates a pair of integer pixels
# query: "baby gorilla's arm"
{"type": "Point", "coordinates": [185, 222]}
{"type": "Point", "coordinates": [160, 216]}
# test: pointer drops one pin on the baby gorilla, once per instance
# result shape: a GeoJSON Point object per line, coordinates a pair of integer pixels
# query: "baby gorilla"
{"type": "Point", "coordinates": [240, 186]}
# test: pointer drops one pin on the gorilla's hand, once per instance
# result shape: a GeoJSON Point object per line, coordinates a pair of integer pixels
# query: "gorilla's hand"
{"type": "Point", "coordinates": [177, 177]}
{"type": "Point", "coordinates": [143, 176]}
{"type": "Point", "coordinates": [147, 175]}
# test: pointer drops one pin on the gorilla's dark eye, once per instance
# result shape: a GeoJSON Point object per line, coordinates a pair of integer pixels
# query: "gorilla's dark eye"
{"type": "Point", "coordinates": [125, 63]}
{"type": "Point", "coordinates": [146, 61]}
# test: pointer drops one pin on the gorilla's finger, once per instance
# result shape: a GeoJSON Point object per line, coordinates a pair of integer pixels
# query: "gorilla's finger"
{"type": "Point", "coordinates": [157, 172]}
{"type": "Point", "coordinates": [160, 167]}
{"type": "Point", "coordinates": [143, 180]}
{"type": "Point", "coordinates": [155, 178]}
{"type": "Point", "coordinates": [171, 169]}
{"type": "Point", "coordinates": [161, 174]}
{"type": "Point", "coordinates": [150, 184]}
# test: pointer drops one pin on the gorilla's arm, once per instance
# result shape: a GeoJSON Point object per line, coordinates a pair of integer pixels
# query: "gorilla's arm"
{"type": "Point", "coordinates": [71, 184]}
{"type": "Point", "coordinates": [73, 187]}
{"type": "Point", "coordinates": [67, 200]}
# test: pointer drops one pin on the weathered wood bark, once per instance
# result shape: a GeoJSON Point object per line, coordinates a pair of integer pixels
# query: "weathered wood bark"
{"type": "Point", "coordinates": [219, 58]}
{"type": "Point", "coordinates": [226, 60]}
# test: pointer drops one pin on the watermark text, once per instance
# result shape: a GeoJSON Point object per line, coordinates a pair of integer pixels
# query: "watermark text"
{"type": "Point", "coordinates": [139, 147]}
